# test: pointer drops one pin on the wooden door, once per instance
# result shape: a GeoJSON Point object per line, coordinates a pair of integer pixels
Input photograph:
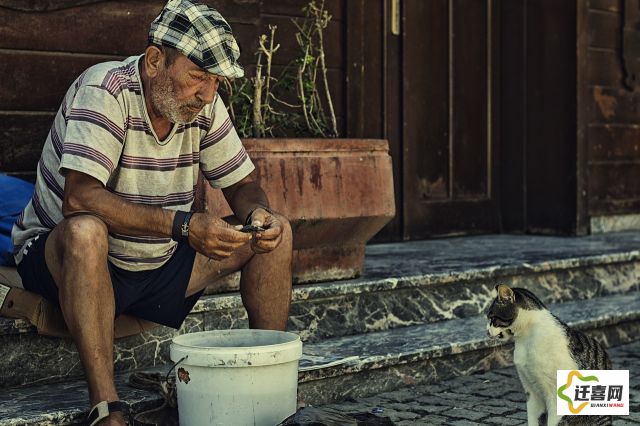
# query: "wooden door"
{"type": "Point", "coordinates": [448, 117]}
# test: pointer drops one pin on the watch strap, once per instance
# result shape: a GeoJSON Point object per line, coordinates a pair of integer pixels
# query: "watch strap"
{"type": "Point", "coordinates": [184, 228]}
{"type": "Point", "coordinates": [180, 228]}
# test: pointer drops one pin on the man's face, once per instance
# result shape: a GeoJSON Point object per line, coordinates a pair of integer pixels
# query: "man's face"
{"type": "Point", "coordinates": [181, 90]}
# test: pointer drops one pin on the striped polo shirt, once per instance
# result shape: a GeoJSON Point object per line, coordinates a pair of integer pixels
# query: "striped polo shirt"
{"type": "Point", "coordinates": [103, 129]}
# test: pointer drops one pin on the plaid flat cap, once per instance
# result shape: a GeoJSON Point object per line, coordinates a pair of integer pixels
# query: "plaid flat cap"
{"type": "Point", "coordinates": [201, 34]}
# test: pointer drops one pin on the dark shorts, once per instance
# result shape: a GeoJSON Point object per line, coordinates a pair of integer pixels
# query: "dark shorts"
{"type": "Point", "coordinates": [156, 295]}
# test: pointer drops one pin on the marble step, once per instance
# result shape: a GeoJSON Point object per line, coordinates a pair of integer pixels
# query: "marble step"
{"type": "Point", "coordinates": [418, 282]}
{"type": "Point", "coordinates": [428, 353]}
{"type": "Point", "coordinates": [356, 366]}
{"type": "Point", "coordinates": [404, 284]}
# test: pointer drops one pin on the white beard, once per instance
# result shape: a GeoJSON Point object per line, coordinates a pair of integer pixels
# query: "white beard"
{"type": "Point", "coordinates": [163, 99]}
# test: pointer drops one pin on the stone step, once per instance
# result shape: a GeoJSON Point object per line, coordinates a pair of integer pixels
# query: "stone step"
{"type": "Point", "coordinates": [404, 284]}
{"type": "Point", "coordinates": [495, 397]}
{"type": "Point", "coordinates": [433, 352]}
{"type": "Point", "coordinates": [419, 282]}
{"type": "Point", "coordinates": [373, 362]}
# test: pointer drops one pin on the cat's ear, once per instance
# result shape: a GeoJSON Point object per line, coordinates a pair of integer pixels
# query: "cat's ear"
{"type": "Point", "coordinates": [505, 293]}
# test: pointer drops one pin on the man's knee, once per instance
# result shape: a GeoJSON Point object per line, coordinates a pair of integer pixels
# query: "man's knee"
{"type": "Point", "coordinates": [287, 233]}
{"type": "Point", "coordinates": [83, 235]}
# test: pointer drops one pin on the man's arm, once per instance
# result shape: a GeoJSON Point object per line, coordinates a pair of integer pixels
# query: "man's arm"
{"type": "Point", "coordinates": [86, 195]}
{"type": "Point", "coordinates": [244, 197]}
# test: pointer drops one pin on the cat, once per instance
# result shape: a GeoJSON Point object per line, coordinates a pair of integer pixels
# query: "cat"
{"type": "Point", "coordinates": [542, 345]}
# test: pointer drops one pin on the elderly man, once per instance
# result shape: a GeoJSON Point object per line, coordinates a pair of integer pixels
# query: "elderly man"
{"type": "Point", "coordinates": [109, 228]}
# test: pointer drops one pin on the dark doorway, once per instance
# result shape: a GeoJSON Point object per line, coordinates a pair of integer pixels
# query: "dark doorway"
{"type": "Point", "coordinates": [449, 125]}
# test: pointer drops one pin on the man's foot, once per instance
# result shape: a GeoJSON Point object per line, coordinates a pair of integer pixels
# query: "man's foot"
{"type": "Point", "coordinates": [114, 419]}
{"type": "Point", "coordinates": [108, 413]}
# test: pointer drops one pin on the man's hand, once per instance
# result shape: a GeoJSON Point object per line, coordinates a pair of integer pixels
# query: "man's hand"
{"type": "Point", "coordinates": [244, 196]}
{"type": "Point", "coordinates": [214, 237]}
{"type": "Point", "coordinates": [270, 238]}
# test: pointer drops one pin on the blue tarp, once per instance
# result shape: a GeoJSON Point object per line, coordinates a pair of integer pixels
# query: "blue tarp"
{"type": "Point", "coordinates": [14, 196]}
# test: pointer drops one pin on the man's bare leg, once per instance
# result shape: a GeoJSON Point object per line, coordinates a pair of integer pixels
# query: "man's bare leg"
{"type": "Point", "coordinates": [265, 283]}
{"type": "Point", "coordinates": [76, 254]}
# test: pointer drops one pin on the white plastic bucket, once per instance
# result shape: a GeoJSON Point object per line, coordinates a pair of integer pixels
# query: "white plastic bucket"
{"type": "Point", "coordinates": [236, 377]}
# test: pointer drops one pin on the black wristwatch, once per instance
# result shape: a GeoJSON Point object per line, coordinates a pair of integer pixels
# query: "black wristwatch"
{"type": "Point", "coordinates": [180, 230]}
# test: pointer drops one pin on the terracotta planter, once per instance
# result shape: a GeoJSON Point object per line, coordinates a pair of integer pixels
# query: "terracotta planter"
{"type": "Point", "coordinates": [337, 193]}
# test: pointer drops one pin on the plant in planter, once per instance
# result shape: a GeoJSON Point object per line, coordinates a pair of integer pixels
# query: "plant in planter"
{"type": "Point", "coordinates": [255, 104]}
{"type": "Point", "coordinates": [337, 193]}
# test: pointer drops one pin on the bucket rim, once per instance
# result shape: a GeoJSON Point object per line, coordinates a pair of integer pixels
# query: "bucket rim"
{"type": "Point", "coordinates": [176, 339]}
{"type": "Point", "coordinates": [236, 356]}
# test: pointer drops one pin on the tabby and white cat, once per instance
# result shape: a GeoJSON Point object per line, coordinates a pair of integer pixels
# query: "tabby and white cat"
{"type": "Point", "coordinates": [543, 344]}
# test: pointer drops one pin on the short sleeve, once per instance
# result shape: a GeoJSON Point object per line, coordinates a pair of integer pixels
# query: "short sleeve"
{"type": "Point", "coordinates": [223, 159]}
{"type": "Point", "coordinates": [95, 133]}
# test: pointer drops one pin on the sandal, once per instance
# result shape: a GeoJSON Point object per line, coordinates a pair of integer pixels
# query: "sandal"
{"type": "Point", "coordinates": [103, 409]}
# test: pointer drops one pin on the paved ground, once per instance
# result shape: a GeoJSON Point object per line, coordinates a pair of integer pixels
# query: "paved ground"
{"type": "Point", "coordinates": [493, 398]}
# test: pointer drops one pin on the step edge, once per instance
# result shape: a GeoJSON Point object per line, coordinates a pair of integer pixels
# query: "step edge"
{"type": "Point", "coordinates": [439, 351]}
{"type": "Point", "coordinates": [76, 414]}
{"type": "Point", "coordinates": [365, 364]}
{"type": "Point", "coordinates": [345, 287]}
{"type": "Point", "coordinates": [72, 416]}
{"type": "Point", "coordinates": [319, 291]}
